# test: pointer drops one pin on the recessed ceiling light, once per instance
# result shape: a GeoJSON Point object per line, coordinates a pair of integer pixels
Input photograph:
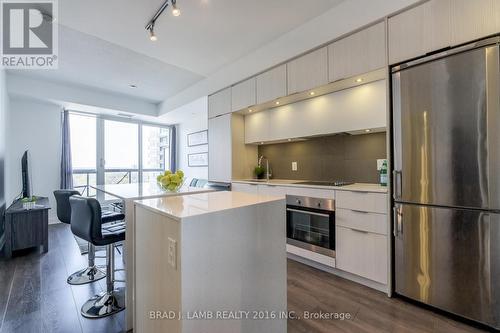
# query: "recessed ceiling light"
{"type": "Point", "coordinates": [262, 143]}
{"type": "Point", "coordinates": [250, 110]}
{"type": "Point", "coordinates": [289, 140]}
{"type": "Point", "coordinates": [132, 86]}
{"type": "Point", "coordinates": [359, 80]}
{"type": "Point", "coordinates": [312, 93]}
{"type": "Point", "coordinates": [367, 130]}
{"type": "Point", "coordinates": [277, 103]}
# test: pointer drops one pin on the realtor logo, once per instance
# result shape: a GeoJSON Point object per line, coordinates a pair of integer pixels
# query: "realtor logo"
{"type": "Point", "coordinates": [29, 34]}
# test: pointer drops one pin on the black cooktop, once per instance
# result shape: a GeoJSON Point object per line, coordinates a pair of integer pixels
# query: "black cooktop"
{"type": "Point", "coordinates": [326, 183]}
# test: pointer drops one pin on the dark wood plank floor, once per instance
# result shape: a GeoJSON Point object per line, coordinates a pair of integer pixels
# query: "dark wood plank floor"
{"type": "Point", "coordinates": [34, 297]}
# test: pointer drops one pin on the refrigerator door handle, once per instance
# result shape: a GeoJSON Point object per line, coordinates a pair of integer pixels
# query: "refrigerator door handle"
{"type": "Point", "coordinates": [398, 221]}
{"type": "Point", "coordinates": [396, 184]}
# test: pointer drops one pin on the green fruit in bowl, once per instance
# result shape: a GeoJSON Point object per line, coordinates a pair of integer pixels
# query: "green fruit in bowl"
{"type": "Point", "coordinates": [175, 178]}
{"type": "Point", "coordinates": [168, 172]}
{"type": "Point", "coordinates": [165, 180]}
{"type": "Point", "coordinates": [172, 187]}
{"type": "Point", "coordinates": [158, 179]}
{"type": "Point", "coordinates": [180, 173]}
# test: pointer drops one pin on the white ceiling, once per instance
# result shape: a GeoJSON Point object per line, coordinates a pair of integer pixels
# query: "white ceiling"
{"type": "Point", "coordinates": [207, 35]}
{"type": "Point", "coordinates": [90, 61]}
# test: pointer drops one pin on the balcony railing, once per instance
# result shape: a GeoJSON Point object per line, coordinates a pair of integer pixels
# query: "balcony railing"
{"type": "Point", "coordinates": [84, 178]}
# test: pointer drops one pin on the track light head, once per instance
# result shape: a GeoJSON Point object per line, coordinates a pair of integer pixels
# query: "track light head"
{"type": "Point", "coordinates": [175, 10]}
{"type": "Point", "coordinates": [152, 36]}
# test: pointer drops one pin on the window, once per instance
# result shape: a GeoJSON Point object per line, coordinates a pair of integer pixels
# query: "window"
{"type": "Point", "coordinates": [83, 150]}
{"type": "Point", "coordinates": [155, 151]}
{"type": "Point", "coordinates": [121, 152]}
{"type": "Point", "coordinates": [123, 145]}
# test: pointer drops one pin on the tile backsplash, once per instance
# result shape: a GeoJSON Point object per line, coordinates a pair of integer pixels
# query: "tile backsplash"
{"type": "Point", "coordinates": [336, 157]}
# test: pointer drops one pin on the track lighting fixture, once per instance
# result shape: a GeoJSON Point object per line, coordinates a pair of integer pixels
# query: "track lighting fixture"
{"type": "Point", "coordinates": [152, 35]}
{"type": "Point", "coordinates": [151, 24]}
{"type": "Point", "coordinates": [175, 10]}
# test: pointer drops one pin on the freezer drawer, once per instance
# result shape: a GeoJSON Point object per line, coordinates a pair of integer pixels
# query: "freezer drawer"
{"type": "Point", "coordinates": [449, 258]}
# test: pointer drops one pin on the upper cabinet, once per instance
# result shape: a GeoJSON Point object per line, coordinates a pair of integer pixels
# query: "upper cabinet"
{"type": "Point", "coordinates": [358, 53]}
{"type": "Point", "coordinates": [219, 103]}
{"type": "Point", "coordinates": [348, 110]}
{"type": "Point", "coordinates": [437, 24]}
{"type": "Point", "coordinates": [271, 84]}
{"type": "Point", "coordinates": [243, 95]}
{"type": "Point", "coordinates": [308, 71]}
{"type": "Point", "coordinates": [474, 19]}
{"type": "Point", "coordinates": [419, 30]}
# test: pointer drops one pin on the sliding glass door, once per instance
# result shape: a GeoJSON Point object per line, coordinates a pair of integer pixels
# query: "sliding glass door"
{"type": "Point", "coordinates": [114, 151]}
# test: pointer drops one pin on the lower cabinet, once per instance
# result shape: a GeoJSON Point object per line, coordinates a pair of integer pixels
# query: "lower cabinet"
{"type": "Point", "coordinates": [362, 253]}
{"type": "Point", "coordinates": [246, 188]}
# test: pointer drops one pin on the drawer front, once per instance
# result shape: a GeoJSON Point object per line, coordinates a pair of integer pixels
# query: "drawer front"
{"type": "Point", "coordinates": [362, 253]}
{"type": "Point", "coordinates": [311, 192]}
{"type": "Point", "coordinates": [361, 220]}
{"type": "Point", "coordinates": [246, 188]}
{"type": "Point", "coordinates": [278, 191]}
{"type": "Point", "coordinates": [363, 201]}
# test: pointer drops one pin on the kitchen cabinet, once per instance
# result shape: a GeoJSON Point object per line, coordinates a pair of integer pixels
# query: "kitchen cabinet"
{"type": "Point", "coordinates": [245, 188]}
{"type": "Point", "coordinates": [219, 148]}
{"type": "Point", "coordinates": [271, 84]}
{"type": "Point", "coordinates": [474, 19]}
{"type": "Point", "coordinates": [243, 95]}
{"type": "Point", "coordinates": [359, 53]}
{"type": "Point", "coordinates": [228, 156]}
{"type": "Point", "coordinates": [308, 71]}
{"type": "Point", "coordinates": [361, 234]}
{"type": "Point", "coordinates": [420, 30]}
{"type": "Point", "coordinates": [219, 103]}
{"type": "Point", "coordinates": [347, 110]}
{"type": "Point", "coordinates": [362, 201]}
{"type": "Point", "coordinates": [361, 253]}
{"type": "Point", "coordinates": [257, 127]}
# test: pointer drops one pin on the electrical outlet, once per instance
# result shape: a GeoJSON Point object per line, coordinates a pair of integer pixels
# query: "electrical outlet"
{"type": "Point", "coordinates": [172, 252]}
{"type": "Point", "coordinates": [294, 166]}
{"type": "Point", "coordinates": [379, 163]}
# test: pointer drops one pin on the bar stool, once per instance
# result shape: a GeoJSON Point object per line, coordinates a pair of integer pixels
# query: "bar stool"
{"type": "Point", "coordinates": [86, 223]}
{"type": "Point", "coordinates": [92, 272]}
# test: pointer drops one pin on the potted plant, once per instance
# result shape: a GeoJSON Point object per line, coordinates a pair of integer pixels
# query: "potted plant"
{"type": "Point", "coordinates": [259, 171]}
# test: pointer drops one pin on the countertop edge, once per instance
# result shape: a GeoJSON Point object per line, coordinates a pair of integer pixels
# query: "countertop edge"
{"type": "Point", "coordinates": [336, 188]}
{"type": "Point", "coordinates": [270, 199]}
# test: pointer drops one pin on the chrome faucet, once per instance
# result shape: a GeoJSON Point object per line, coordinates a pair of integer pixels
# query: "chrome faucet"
{"type": "Point", "coordinates": [268, 171]}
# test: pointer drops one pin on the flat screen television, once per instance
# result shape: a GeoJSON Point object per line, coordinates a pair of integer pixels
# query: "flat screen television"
{"type": "Point", "coordinates": [26, 176]}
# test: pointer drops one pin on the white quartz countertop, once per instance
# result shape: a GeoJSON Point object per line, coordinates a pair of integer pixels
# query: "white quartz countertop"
{"type": "Point", "coordinates": [145, 190]}
{"type": "Point", "coordinates": [179, 207]}
{"type": "Point", "coordinates": [357, 187]}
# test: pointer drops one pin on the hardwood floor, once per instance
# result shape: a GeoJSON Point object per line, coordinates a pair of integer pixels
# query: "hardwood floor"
{"type": "Point", "coordinates": [371, 311]}
{"type": "Point", "coordinates": [34, 297]}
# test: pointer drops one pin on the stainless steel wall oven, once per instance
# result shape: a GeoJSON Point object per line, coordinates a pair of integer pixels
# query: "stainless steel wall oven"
{"type": "Point", "coordinates": [311, 224]}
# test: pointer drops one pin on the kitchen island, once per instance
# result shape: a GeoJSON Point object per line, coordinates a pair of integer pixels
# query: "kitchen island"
{"type": "Point", "coordinates": [212, 262]}
{"type": "Point", "coordinates": [128, 193]}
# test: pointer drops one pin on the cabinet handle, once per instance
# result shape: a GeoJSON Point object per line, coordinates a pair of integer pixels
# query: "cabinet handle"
{"type": "Point", "coordinates": [360, 231]}
{"type": "Point", "coordinates": [359, 211]}
{"type": "Point", "coordinates": [397, 184]}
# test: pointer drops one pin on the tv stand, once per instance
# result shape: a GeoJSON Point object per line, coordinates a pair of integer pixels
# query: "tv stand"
{"type": "Point", "coordinates": [26, 228]}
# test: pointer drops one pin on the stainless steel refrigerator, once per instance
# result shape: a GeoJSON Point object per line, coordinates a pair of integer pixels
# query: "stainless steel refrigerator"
{"type": "Point", "coordinates": [446, 180]}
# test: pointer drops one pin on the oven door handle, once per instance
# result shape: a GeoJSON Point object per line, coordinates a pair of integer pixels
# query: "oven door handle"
{"type": "Point", "coordinates": [306, 212]}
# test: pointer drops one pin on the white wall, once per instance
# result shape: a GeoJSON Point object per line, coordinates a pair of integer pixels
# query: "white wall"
{"type": "Point", "coordinates": [193, 118]}
{"type": "Point", "coordinates": [334, 23]}
{"type": "Point", "coordinates": [34, 126]}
